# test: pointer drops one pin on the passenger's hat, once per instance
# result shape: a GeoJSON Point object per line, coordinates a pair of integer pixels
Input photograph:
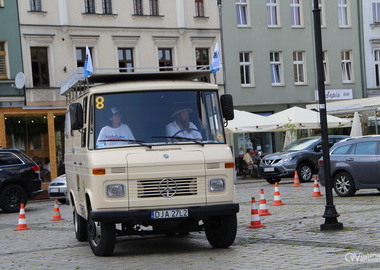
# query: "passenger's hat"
{"type": "Point", "coordinates": [114, 110]}
{"type": "Point", "coordinates": [180, 109]}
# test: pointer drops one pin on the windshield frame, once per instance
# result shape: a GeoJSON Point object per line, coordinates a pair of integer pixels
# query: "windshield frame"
{"type": "Point", "coordinates": [205, 110]}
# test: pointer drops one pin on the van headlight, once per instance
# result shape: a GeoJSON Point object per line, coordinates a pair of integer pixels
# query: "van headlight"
{"type": "Point", "coordinates": [285, 160]}
{"type": "Point", "coordinates": [215, 185]}
{"type": "Point", "coordinates": [115, 190]}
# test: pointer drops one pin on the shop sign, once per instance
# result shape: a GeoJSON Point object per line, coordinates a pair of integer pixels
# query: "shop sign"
{"type": "Point", "coordinates": [336, 94]}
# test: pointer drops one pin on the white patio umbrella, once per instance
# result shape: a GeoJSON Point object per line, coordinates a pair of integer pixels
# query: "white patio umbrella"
{"type": "Point", "coordinates": [249, 122]}
{"type": "Point", "coordinates": [298, 118]}
{"type": "Point", "coordinates": [356, 129]}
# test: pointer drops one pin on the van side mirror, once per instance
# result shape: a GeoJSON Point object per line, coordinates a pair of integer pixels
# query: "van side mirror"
{"type": "Point", "coordinates": [227, 107]}
{"type": "Point", "coordinates": [318, 148]}
{"type": "Point", "coordinates": [76, 116]}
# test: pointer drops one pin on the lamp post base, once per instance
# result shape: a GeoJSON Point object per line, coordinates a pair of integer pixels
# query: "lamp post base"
{"type": "Point", "coordinates": [331, 219]}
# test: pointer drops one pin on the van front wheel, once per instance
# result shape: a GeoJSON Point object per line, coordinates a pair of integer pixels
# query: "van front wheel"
{"type": "Point", "coordinates": [101, 237]}
{"type": "Point", "coordinates": [221, 231]}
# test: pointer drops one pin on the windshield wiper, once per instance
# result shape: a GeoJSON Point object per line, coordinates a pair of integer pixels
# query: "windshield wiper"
{"type": "Point", "coordinates": [142, 143]}
{"type": "Point", "coordinates": [179, 138]}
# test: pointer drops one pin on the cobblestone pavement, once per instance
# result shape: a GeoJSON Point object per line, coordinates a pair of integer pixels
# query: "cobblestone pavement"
{"type": "Point", "coordinates": [292, 238]}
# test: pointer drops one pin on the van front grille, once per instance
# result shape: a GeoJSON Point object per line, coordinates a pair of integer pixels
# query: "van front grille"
{"type": "Point", "coordinates": [167, 187]}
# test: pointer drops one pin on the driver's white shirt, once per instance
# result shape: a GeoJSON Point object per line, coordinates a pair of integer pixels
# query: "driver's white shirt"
{"type": "Point", "coordinates": [111, 136]}
{"type": "Point", "coordinates": [172, 128]}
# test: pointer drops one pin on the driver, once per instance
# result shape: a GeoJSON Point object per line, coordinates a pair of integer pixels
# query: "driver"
{"type": "Point", "coordinates": [181, 126]}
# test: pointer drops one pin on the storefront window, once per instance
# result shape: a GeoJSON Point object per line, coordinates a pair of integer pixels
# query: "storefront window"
{"type": "Point", "coordinates": [29, 134]}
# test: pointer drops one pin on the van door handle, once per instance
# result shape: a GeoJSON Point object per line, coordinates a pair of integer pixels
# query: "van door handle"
{"type": "Point", "coordinates": [75, 163]}
{"type": "Point", "coordinates": [79, 163]}
{"type": "Point", "coordinates": [349, 159]}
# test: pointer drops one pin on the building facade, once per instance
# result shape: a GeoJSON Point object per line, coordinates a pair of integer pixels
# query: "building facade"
{"type": "Point", "coordinates": [10, 55]}
{"type": "Point", "coordinates": [122, 35]}
{"type": "Point", "coordinates": [272, 67]}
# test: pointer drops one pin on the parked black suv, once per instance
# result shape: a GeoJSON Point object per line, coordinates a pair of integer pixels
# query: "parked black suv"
{"type": "Point", "coordinates": [19, 179]}
{"type": "Point", "coordinates": [301, 155]}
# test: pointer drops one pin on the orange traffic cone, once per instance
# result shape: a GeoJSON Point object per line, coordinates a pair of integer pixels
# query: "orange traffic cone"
{"type": "Point", "coordinates": [21, 220]}
{"type": "Point", "coordinates": [277, 196]}
{"type": "Point", "coordinates": [316, 192]}
{"type": "Point", "coordinates": [296, 180]}
{"type": "Point", "coordinates": [57, 213]}
{"type": "Point", "coordinates": [263, 210]}
{"type": "Point", "coordinates": [255, 218]}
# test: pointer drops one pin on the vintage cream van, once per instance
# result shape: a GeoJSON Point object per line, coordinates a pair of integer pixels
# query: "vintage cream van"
{"type": "Point", "coordinates": [146, 153]}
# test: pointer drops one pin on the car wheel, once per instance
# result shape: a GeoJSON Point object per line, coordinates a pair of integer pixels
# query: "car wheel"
{"type": "Point", "coordinates": [273, 180]}
{"type": "Point", "coordinates": [305, 172]}
{"type": "Point", "coordinates": [11, 197]}
{"type": "Point", "coordinates": [63, 201]}
{"type": "Point", "coordinates": [80, 225]}
{"type": "Point", "coordinates": [101, 237]}
{"type": "Point", "coordinates": [344, 185]}
{"type": "Point", "coordinates": [221, 231]}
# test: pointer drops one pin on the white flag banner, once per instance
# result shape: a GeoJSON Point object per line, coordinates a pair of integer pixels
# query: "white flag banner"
{"type": "Point", "coordinates": [216, 64]}
{"type": "Point", "coordinates": [88, 68]}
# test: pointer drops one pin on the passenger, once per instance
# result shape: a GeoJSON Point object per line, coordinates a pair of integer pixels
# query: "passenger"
{"type": "Point", "coordinates": [116, 133]}
{"type": "Point", "coordinates": [181, 126]}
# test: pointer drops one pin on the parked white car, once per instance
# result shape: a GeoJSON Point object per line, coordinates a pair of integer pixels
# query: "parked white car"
{"type": "Point", "coordinates": [58, 189]}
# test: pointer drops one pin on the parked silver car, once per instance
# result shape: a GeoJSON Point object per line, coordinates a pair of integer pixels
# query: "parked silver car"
{"type": "Point", "coordinates": [301, 155]}
{"type": "Point", "coordinates": [58, 189]}
{"type": "Point", "coordinates": [355, 164]}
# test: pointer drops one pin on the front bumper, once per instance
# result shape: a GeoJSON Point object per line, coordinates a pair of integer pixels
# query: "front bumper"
{"type": "Point", "coordinates": [145, 214]}
{"type": "Point", "coordinates": [276, 171]}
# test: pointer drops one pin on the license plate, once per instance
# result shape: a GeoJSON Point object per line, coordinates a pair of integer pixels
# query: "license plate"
{"type": "Point", "coordinates": [268, 169]}
{"type": "Point", "coordinates": [54, 190]}
{"type": "Point", "coordinates": [172, 213]}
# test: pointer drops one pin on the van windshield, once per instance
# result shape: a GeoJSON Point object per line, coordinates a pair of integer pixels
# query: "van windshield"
{"type": "Point", "coordinates": [300, 144]}
{"type": "Point", "coordinates": [154, 118]}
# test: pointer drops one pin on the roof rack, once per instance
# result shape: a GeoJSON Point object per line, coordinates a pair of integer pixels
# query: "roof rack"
{"type": "Point", "coordinates": [77, 82]}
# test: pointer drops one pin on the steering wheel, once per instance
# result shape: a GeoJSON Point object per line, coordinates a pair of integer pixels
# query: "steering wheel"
{"type": "Point", "coordinates": [186, 129]}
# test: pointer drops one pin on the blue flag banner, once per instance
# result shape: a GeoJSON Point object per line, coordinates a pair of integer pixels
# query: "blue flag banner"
{"type": "Point", "coordinates": [215, 64]}
{"type": "Point", "coordinates": [88, 68]}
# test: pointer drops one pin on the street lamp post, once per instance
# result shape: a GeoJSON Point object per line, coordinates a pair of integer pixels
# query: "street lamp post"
{"type": "Point", "coordinates": [330, 214]}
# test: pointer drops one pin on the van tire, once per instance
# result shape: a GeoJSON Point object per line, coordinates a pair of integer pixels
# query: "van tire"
{"type": "Point", "coordinates": [221, 231]}
{"type": "Point", "coordinates": [101, 237]}
{"type": "Point", "coordinates": [11, 197]}
{"type": "Point", "coordinates": [344, 184]}
{"type": "Point", "coordinates": [80, 226]}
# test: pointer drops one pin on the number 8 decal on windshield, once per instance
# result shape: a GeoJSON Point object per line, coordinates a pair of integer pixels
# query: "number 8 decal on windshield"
{"type": "Point", "coordinates": [99, 102]}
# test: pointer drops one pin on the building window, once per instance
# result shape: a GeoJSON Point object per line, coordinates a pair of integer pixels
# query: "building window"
{"type": "Point", "coordinates": [107, 6]}
{"type": "Point", "coordinates": [40, 67]}
{"type": "Point", "coordinates": [346, 63]}
{"type": "Point", "coordinates": [326, 67]}
{"type": "Point", "coordinates": [322, 7]}
{"type": "Point", "coordinates": [344, 11]}
{"type": "Point", "coordinates": [376, 12]}
{"type": "Point", "coordinates": [272, 13]}
{"type": "Point", "coordinates": [203, 61]}
{"type": "Point", "coordinates": [299, 67]}
{"type": "Point", "coordinates": [3, 61]}
{"type": "Point", "coordinates": [296, 15]}
{"type": "Point", "coordinates": [165, 59]}
{"type": "Point", "coordinates": [245, 68]}
{"type": "Point", "coordinates": [276, 68]}
{"type": "Point", "coordinates": [81, 55]}
{"type": "Point", "coordinates": [89, 6]}
{"type": "Point", "coordinates": [377, 67]}
{"type": "Point", "coordinates": [138, 7]}
{"type": "Point", "coordinates": [153, 7]}
{"type": "Point", "coordinates": [199, 8]}
{"type": "Point", "coordinates": [35, 5]}
{"type": "Point", "coordinates": [125, 58]}
{"type": "Point", "coordinates": [241, 12]}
